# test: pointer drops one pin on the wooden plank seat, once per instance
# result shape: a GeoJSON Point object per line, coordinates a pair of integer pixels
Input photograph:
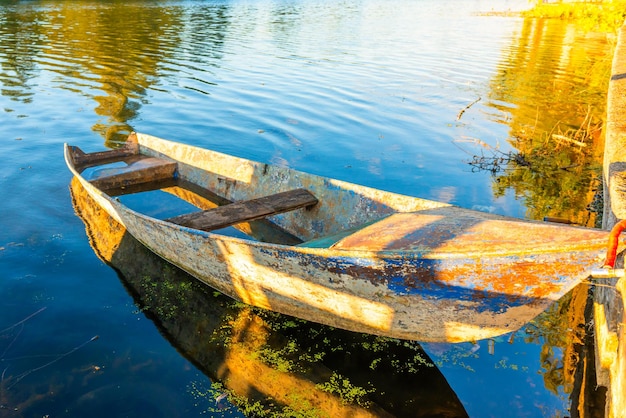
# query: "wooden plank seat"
{"type": "Point", "coordinates": [247, 210]}
{"type": "Point", "coordinates": [138, 171]}
{"type": "Point", "coordinates": [83, 160]}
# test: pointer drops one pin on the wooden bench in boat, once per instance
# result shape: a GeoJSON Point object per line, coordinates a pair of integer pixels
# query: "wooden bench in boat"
{"type": "Point", "coordinates": [83, 160]}
{"type": "Point", "coordinates": [138, 171]}
{"type": "Point", "coordinates": [247, 210]}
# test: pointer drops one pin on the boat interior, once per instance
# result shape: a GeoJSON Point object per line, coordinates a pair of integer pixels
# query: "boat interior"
{"type": "Point", "coordinates": [124, 172]}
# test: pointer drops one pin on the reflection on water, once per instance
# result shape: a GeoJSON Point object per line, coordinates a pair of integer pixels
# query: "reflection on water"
{"type": "Point", "coordinates": [310, 76]}
{"type": "Point", "coordinates": [557, 338]}
{"type": "Point", "coordinates": [366, 91]}
{"type": "Point", "coordinates": [555, 108]}
{"type": "Point", "coordinates": [267, 363]}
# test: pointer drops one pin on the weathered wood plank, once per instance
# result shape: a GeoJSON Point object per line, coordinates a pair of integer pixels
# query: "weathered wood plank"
{"type": "Point", "coordinates": [247, 210]}
{"type": "Point", "coordinates": [141, 171]}
{"type": "Point", "coordinates": [263, 230]}
{"type": "Point", "coordinates": [84, 160]}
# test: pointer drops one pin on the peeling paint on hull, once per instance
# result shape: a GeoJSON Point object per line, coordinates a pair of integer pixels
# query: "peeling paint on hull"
{"type": "Point", "coordinates": [372, 261]}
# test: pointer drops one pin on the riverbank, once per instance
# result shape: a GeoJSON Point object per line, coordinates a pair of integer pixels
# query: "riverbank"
{"type": "Point", "coordinates": [609, 297]}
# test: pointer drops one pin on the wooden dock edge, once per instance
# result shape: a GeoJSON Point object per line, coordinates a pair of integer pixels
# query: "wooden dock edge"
{"type": "Point", "coordinates": [609, 301]}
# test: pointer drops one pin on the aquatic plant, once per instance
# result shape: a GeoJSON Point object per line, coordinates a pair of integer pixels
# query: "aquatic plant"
{"type": "Point", "coordinates": [348, 392]}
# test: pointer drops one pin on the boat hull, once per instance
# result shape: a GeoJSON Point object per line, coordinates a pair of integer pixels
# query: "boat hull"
{"type": "Point", "coordinates": [429, 295]}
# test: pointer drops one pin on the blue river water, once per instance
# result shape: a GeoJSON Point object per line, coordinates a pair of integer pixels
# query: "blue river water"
{"type": "Point", "coordinates": [397, 95]}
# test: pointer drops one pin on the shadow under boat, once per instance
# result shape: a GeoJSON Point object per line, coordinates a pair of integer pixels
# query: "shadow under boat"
{"type": "Point", "coordinates": [264, 358]}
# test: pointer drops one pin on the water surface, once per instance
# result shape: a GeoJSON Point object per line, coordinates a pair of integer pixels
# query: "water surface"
{"type": "Point", "coordinates": [398, 95]}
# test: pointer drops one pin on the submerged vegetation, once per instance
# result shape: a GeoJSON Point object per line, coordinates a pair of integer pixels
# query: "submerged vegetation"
{"type": "Point", "coordinates": [600, 16]}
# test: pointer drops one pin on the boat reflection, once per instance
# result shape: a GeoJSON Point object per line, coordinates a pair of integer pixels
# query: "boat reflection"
{"type": "Point", "coordinates": [265, 361]}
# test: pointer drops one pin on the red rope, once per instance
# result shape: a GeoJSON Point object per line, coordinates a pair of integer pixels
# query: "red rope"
{"type": "Point", "coordinates": [611, 252]}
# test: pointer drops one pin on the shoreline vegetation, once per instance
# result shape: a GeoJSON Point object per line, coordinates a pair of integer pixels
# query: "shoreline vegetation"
{"type": "Point", "coordinates": [593, 16]}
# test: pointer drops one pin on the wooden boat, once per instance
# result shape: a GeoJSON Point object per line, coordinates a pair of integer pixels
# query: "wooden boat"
{"type": "Point", "coordinates": [337, 253]}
